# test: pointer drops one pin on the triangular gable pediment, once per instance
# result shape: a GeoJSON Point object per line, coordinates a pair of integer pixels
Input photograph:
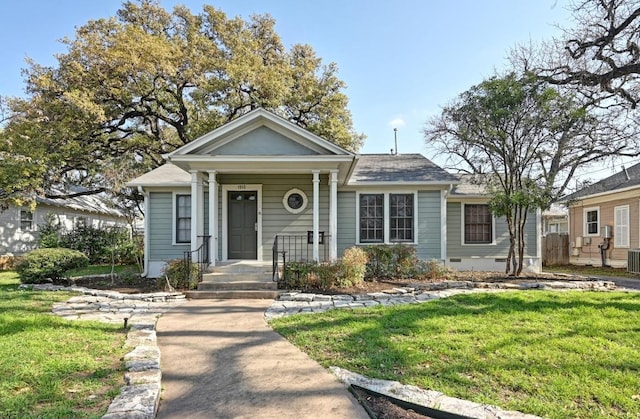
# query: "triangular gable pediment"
{"type": "Point", "coordinates": [259, 133]}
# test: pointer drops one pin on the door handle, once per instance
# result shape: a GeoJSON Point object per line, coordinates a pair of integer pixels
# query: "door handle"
{"type": "Point", "coordinates": [255, 226]}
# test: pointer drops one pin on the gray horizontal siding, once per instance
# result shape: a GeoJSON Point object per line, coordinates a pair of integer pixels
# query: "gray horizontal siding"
{"type": "Point", "coordinates": [346, 221]}
{"type": "Point", "coordinates": [429, 225]}
{"type": "Point", "coordinates": [455, 249]}
{"type": "Point", "coordinates": [275, 218]}
{"type": "Point", "coordinates": [160, 232]}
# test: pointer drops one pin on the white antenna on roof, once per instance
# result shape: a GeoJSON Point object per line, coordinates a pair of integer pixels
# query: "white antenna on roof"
{"type": "Point", "coordinates": [624, 169]}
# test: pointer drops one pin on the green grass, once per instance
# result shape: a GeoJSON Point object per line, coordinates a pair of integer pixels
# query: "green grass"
{"type": "Point", "coordinates": [50, 367]}
{"type": "Point", "coordinates": [102, 270]}
{"type": "Point", "coordinates": [553, 354]}
{"type": "Point", "coordinates": [591, 270]}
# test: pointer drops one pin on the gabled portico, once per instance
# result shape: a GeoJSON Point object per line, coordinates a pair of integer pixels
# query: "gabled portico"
{"type": "Point", "coordinates": [264, 173]}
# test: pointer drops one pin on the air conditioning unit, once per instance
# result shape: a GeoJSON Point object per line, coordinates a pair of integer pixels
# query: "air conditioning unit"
{"type": "Point", "coordinates": [633, 261]}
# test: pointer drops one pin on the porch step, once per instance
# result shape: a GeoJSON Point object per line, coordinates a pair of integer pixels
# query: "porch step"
{"type": "Point", "coordinates": [237, 285]}
{"type": "Point", "coordinates": [230, 294]}
{"type": "Point", "coordinates": [246, 276]}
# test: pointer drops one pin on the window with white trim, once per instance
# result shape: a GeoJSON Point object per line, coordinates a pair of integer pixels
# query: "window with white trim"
{"type": "Point", "coordinates": [592, 221]}
{"type": "Point", "coordinates": [26, 219]}
{"type": "Point", "coordinates": [183, 218]}
{"type": "Point", "coordinates": [386, 217]}
{"type": "Point", "coordinates": [478, 224]}
{"type": "Point", "coordinates": [621, 222]}
{"type": "Point", "coordinates": [401, 217]}
{"type": "Point", "coordinates": [371, 218]}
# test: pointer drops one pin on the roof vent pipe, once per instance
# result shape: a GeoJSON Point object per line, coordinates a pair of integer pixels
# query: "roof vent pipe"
{"type": "Point", "coordinates": [626, 173]}
{"type": "Point", "coordinates": [395, 141]}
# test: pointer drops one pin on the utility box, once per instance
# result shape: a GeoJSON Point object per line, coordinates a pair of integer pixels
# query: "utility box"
{"type": "Point", "coordinates": [607, 232]}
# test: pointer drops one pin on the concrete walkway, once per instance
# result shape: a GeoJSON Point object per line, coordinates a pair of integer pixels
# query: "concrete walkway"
{"type": "Point", "coordinates": [221, 360]}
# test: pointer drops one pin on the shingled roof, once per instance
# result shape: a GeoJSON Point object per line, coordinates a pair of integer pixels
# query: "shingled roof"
{"type": "Point", "coordinates": [393, 168]}
{"type": "Point", "coordinates": [625, 178]}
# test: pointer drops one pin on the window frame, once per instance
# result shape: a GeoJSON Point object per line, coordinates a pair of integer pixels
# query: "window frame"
{"type": "Point", "coordinates": [463, 226]}
{"type": "Point", "coordinates": [176, 198]}
{"type": "Point", "coordinates": [616, 234]}
{"type": "Point", "coordinates": [386, 217]}
{"type": "Point", "coordinates": [585, 223]}
{"type": "Point", "coordinates": [23, 211]}
{"type": "Point", "coordinates": [392, 218]}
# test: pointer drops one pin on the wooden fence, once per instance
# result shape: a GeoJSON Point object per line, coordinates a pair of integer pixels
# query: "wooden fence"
{"type": "Point", "coordinates": [555, 249]}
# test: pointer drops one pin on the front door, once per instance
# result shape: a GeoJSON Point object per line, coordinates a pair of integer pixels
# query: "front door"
{"type": "Point", "coordinates": [243, 225]}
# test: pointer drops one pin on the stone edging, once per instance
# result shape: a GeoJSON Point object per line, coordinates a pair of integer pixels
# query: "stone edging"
{"type": "Point", "coordinates": [300, 302]}
{"type": "Point", "coordinates": [428, 398]}
{"type": "Point", "coordinates": [140, 396]}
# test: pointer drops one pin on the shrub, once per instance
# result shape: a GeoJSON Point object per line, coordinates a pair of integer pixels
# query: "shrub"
{"type": "Point", "coordinates": [307, 275]}
{"type": "Point", "coordinates": [181, 275]}
{"type": "Point", "coordinates": [391, 261]}
{"type": "Point", "coordinates": [41, 264]}
{"type": "Point", "coordinates": [353, 267]}
{"type": "Point", "coordinates": [49, 233]}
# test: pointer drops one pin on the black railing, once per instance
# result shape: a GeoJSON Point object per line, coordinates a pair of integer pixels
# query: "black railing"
{"type": "Point", "coordinates": [298, 247]}
{"type": "Point", "coordinates": [200, 256]}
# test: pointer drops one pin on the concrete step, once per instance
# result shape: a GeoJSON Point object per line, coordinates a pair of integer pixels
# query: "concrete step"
{"type": "Point", "coordinates": [242, 266]}
{"type": "Point", "coordinates": [237, 277]}
{"type": "Point", "coordinates": [238, 285]}
{"type": "Point", "coordinates": [231, 294]}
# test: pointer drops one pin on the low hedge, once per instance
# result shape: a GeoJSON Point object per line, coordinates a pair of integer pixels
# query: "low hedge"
{"type": "Point", "coordinates": [44, 265]}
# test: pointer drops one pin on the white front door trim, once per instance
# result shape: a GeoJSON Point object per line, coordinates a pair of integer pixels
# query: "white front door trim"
{"type": "Point", "coordinates": [226, 188]}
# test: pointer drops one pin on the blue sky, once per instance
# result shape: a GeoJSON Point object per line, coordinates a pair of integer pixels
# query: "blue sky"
{"type": "Point", "coordinates": [401, 60]}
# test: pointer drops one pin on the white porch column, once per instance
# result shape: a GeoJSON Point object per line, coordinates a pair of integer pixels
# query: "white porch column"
{"type": "Point", "coordinates": [316, 214]}
{"type": "Point", "coordinates": [197, 209]}
{"type": "Point", "coordinates": [333, 216]}
{"type": "Point", "coordinates": [213, 217]}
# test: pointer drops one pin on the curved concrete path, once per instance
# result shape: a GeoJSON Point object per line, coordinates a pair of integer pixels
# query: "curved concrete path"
{"type": "Point", "coordinates": [220, 359]}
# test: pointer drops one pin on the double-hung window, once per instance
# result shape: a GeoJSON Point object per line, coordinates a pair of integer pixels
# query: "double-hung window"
{"type": "Point", "coordinates": [591, 221]}
{"type": "Point", "coordinates": [372, 218]}
{"type": "Point", "coordinates": [26, 219]}
{"type": "Point", "coordinates": [386, 217]}
{"type": "Point", "coordinates": [183, 218]}
{"type": "Point", "coordinates": [478, 224]}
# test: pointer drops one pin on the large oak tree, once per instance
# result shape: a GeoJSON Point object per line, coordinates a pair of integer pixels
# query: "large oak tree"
{"type": "Point", "coordinates": [133, 87]}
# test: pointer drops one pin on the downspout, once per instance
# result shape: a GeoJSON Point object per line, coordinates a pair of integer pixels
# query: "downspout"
{"type": "Point", "coordinates": [145, 271]}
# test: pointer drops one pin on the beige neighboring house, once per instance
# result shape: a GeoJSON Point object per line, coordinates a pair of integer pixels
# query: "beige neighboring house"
{"type": "Point", "coordinates": [19, 225]}
{"type": "Point", "coordinates": [604, 218]}
{"type": "Point", "coordinates": [555, 220]}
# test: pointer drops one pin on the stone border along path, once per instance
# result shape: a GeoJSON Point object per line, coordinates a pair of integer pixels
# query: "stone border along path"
{"type": "Point", "coordinates": [299, 302]}
{"type": "Point", "coordinates": [140, 396]}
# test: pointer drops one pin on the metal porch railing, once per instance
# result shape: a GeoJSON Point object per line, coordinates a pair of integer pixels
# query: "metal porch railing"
{"type": "Point", "coordinates": [297, 247]}
{"type": "Point", "coordinates": [200, 256]}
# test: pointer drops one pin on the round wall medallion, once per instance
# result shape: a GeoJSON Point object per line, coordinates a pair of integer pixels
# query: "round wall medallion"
{"type": "Point", "coordinates": [294, 201]}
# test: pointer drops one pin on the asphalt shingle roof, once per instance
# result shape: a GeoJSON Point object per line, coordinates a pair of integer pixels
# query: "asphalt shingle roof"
{"type": "Point", "coordinates": [398, 168]}
{"type": "Point", "coordinates": [623, 179]}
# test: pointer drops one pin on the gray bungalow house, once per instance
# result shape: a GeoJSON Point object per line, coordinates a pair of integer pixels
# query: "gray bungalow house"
{"type": "Point", "coordinates": [274, 186]}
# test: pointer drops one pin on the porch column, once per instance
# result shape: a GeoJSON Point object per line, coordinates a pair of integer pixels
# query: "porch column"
{"type": "Point", "coordinates": [197, 208]}
{"type": "Point", "coordinates": [333, 216]}
{"type": "Point", "coordinates": [316, 214]}
{"type": "Point", "coordinates": [213, 217]}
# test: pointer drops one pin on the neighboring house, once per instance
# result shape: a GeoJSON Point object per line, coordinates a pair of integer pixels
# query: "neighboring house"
{"type": "Point", "coordinates": [605, 213]}
{"type": "Point", "coordinates": [269, 179]}
{"type": "Point", "coordinates": [19, 225]}
{"type": "Point", "coordinates": [555, 220]}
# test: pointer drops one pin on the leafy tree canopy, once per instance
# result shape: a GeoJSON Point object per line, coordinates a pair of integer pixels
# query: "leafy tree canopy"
{"type": "Point", "coordinates": [524, 140]}
{"type": "Point", "coordinates": [135, 86]}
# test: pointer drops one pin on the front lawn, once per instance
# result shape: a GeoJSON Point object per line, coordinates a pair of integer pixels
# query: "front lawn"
{"type": "Point", "coordinates": [553, 354]}
{"type": "Point", "coordinates": [50, 367]}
